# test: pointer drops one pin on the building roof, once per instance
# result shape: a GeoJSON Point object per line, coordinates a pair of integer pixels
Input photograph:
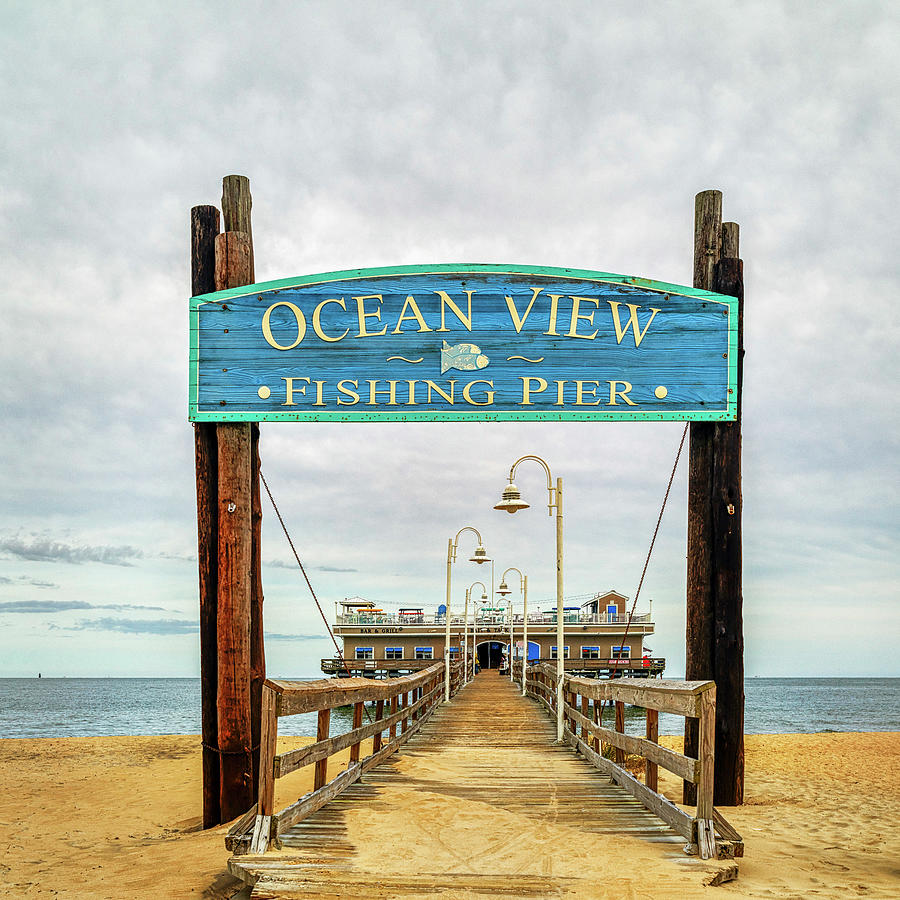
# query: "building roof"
{"type": "Point", "coordinates": [601, 595]}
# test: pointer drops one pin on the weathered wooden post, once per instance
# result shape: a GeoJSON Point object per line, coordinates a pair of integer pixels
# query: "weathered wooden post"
{"type": "Point", "coordinates": [236, 208]}
{"type": "Point", "coordinates": [714, 631]}
{"type": "Point", "coordinates": [728, 637]}
{"type": "Point", "coordinates": [204, 228]}
{"type": "Point", "coordinates": [232, 661]}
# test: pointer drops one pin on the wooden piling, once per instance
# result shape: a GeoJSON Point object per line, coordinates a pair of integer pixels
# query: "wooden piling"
{"type": "Point", "coordinates": [714, 636]}
{"type": "Point", "coordinates": [236, 213]}
{"type": "Point", "coordinates": [728, 647]}
{"type": "Point", "coordinates": [257, 644]}
{"type": "Point", "coordinates": [233, 619]}
{"type": "Point", "coordinates": [700, 616]}
{"type": "Point", "coordinates": [236, 206]}
{"type": "Point", "coordinates": [204, 228]}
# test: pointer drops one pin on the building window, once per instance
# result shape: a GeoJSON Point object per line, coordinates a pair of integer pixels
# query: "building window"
{"type": "Point", "coordinates": [590, 652]}
{"type": "Point", "coordinates": [393, 653]}
{"type": "Point", "coordinates": [454, 652]}
{"type": "Point", "coordinates": [365, 653]}
{"type": "Point", "coordinates": [621, 652]}
{"type": "Point", "coordinates": [565, 652]}
{"type": "Point", "coordinates": [424, 652]}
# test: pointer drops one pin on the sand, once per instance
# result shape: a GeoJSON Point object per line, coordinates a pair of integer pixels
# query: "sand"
{"type": "Point", "coordinates": [118, 817]}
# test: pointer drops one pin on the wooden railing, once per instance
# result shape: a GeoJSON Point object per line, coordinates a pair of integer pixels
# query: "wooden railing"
{"type": "Point", "coordinates": [652, 665]}
{"type": "Point", "coordinates": [583, 730]}
{"type": "Point", "coordinates": [401, 707]}
{"type": "Point", "coordinates": [338, 665]}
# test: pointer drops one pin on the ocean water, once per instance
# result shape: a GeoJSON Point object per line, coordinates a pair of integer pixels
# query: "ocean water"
{"type": "Point", "coordinates": [66, 707]}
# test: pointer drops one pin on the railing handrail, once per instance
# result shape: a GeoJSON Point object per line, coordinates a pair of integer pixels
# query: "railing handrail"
{"type": "Point", "coordinates": [682, 698]}
{"type": "Point", "coordinates": [695, 699]}
{"type": "Point", "coordinates": [326, 693]}
{"type": "Point", "coordinates": [412, 700]}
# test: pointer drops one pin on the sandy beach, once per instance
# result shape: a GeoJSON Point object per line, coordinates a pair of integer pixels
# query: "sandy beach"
{"type": "Point", "coordinates": [118, 817]}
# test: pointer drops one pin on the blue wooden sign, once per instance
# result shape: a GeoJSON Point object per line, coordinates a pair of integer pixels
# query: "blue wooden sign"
{"type": "Point", "coordinates": [463, 342]}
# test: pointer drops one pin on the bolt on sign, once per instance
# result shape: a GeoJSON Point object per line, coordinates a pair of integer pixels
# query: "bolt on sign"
{"type": "Point", "coordinates": [463, 342]}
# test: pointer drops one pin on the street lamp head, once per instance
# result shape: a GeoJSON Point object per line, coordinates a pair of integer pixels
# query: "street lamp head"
{"type": "Point", "coordinates": [484, 596]}
{"type": "Point", "coordinates": [480, 555]}
{"type": "Point", "coordinates": [503, 590]}
{"type": "Point", "coordinates": [511, 501]}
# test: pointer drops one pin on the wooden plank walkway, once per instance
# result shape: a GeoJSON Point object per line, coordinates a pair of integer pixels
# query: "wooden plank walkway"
{"type": "Point", "coordinates": [481, 803]}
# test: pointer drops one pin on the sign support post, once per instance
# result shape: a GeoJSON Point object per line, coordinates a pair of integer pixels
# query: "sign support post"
{"type": "Point", "coordinates": [229, 516]}
{"type": "Point", "coordinates": [714, 628]}
{"type": "Point", "coordinates": [204, 228]}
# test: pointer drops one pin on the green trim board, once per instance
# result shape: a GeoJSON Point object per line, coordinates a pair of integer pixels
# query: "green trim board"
{"type": "Point", "coordinates": [463, 342]}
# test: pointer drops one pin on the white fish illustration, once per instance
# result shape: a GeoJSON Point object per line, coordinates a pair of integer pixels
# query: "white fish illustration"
{"type": "Point", "coordinates": [465, 357]}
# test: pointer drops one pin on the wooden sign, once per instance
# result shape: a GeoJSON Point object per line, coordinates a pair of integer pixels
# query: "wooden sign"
{"type": "Point", "coordinates": [463, 342]}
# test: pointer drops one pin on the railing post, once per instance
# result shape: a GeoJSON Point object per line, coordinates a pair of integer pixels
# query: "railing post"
{"type": "Point", "coordinates": [357, 723]}
{"type": "Point", "coordinates": [620, 727]}
{"type": "Point", "coordinates": [322, 730]}
{"type": "Point", "coordinates": [392, 731]}
{"type": "Point", "coordinates": [268, 734]}
{"type": "Point", "coordinates": [404, 702]}
{"type": "Point", "coordinates": [707, 754]}
{"type": "Point", "coordinates": [584, 712]}
{"type": "Point", "coordinates": [652, 770]}
{"type": "Point", "coordinates": [598, 717]}
{"type": "Point", "coordinates": [706, 838]}
{"type": "Point", "coordinates": [379, 715]}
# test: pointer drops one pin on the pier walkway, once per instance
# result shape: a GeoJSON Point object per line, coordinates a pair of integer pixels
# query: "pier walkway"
{"type": "Point", "coordinates": [480, 802]}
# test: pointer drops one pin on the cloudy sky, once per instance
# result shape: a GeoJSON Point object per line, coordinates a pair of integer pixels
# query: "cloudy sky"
{"type": "Point", "coordinates": [558, 134]}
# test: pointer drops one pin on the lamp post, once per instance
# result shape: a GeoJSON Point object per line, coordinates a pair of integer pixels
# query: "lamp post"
{"type": "Point", "coordinates": [503, 590]}
{"type": "Point", "coordinates": [480, 556]}
{"type": "Point", "coordinates": [466, 628]}
{"type": "Point", "coordinates": [511, 501]}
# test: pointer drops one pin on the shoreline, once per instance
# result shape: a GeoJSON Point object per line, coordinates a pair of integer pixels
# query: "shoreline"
{"type": "Point", "coordinates": [119, 817]}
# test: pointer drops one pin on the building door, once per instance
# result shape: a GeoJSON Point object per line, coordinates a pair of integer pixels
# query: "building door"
{"type": "Point", "coordinates": [490, 654]}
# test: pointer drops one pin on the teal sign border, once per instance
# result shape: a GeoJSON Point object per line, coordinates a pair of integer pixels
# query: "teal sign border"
{"type": "Point", "coordinates": [479, 415]}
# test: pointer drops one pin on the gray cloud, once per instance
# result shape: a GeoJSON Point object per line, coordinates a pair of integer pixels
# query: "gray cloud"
{"type": "Point", "coordinates": [292, 564]}
{"type": "Point", "coordinates": [54, 606]}
{"type": "Point", "coordinates": [138, 626]}
{"type": "Point", "coordinates": [274, 636]}
{"type": "Point", "coordinates": [32, 582]}
{"type": "Point", "coordinates": [40, 549]}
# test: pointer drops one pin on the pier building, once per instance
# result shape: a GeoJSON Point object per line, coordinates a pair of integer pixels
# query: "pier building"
{"type": "Point", "coordinates": [601, 638]}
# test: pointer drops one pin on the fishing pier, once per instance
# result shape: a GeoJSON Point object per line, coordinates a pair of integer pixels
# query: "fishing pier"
{"type": "Point", "coordinates": [486, 764]}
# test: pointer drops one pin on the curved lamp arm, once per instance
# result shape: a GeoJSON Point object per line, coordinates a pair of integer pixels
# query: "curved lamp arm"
{"type": "Point", "coordinates": [454, 542]}
{"type": "Point", "coordinates": [521, 576]}
{"type": "Point", "coordinates": [554, 499]}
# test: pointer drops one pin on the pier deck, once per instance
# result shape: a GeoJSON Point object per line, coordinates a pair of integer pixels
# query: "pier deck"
{"type": "Point", "coordinates": [479, 803]}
